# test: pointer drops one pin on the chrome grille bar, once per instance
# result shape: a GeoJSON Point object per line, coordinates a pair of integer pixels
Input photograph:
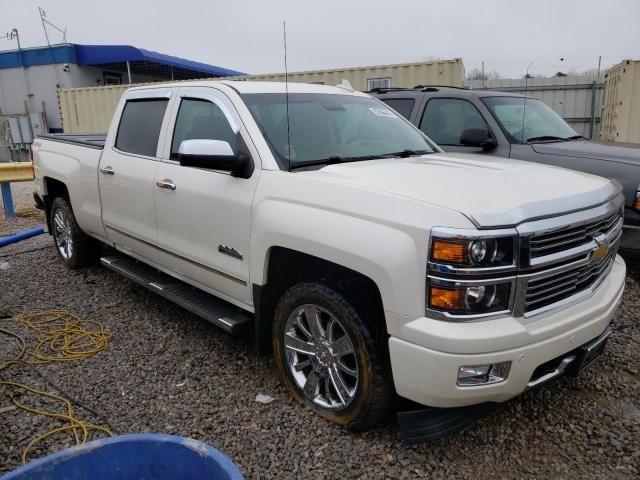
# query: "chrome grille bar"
{"type": "Point", "coordinates": [564, 238]}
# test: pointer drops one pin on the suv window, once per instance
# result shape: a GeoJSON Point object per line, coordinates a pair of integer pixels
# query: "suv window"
{"type": "Point", "coordinates": [403, 106]}
{"type": "Point", "coordinates": [444, 120]}
{"type": "Point", "coordinates": [140, 125]}
{"type": "Point", "coordinates": [201, 119]}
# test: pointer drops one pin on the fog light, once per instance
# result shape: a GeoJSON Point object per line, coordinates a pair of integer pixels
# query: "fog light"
{"type": "Point", "coordinates": [474, 375]}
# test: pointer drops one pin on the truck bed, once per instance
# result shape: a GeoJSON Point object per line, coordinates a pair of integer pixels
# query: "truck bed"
{"type": "Point", "coordinates": [91, 141]}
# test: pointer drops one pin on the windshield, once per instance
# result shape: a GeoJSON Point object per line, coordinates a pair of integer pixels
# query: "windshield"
{"type": "Point", "coordinates": [540, 122]}
{"type": "Point", "coordinates": [332, 128]}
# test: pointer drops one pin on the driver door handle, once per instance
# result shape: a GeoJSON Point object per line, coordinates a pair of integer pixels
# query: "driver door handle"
{"type": "Point", "coordinates": [166, 184]}
{"type": "Point", "coordinates": [108, 170]}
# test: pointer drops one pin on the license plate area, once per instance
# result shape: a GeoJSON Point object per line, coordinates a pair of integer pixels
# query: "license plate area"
{"type": "Point", "coordinates": [587, 354]}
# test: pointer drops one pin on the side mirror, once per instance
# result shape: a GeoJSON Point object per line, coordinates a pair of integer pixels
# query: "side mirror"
{"type": "Point", "coordinates": [214, 155]}
{"type": "Point", "coordinates": [477, 137]}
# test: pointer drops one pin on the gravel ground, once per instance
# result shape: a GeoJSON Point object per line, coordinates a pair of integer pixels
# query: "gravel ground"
{"type": "Point", "coordinates": [167, 371]}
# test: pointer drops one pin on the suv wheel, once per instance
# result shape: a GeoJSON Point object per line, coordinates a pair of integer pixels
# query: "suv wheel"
{"type": "Point", "coordinates": [329, 359]}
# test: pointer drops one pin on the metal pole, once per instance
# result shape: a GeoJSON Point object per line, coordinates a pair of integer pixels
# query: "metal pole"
{"type": "Point", "coordinates": [483, 85]}
{"type": "Point", "coordinates": [128, 71]}
{"type": "Point", "coordinates": [7, 200]}
{"type": "Point", "coordinates": [171, 73]}
{"type": "Point", "coordinates": [594, 92]}
{"type": "Point", "coordinates": [592, 121]}
{"type": "Point", "coordinates": [44, 27]}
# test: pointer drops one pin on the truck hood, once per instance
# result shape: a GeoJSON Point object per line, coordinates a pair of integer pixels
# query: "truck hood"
{"type": "Point", "coordinates": [490, 191]}
{"type": "Point", "coordinates": [622, 153]}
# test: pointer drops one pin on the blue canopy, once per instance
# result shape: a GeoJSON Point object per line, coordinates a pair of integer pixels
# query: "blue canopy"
{"type": "Point", "coordinates": [141, 61]}
{"type": "Point", "coordinates": [104, 54]}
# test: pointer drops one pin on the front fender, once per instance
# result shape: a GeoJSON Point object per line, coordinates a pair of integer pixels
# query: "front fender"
{"type": "Point", "coordinates": [393, 259]}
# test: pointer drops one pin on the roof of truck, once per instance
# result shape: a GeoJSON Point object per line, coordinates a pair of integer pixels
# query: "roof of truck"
{"type": "Point", "coordinates": [293, 87]}
{"type": "Point", "coordinates": [242, 87]}
{"type": "Point", "coordinates": [432, 90]}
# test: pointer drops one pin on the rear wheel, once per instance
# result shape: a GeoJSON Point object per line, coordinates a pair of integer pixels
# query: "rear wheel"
{"type": "Point", "coordinates": [328, 357]}
{"type": "Point", "coordinates": [75, 247]}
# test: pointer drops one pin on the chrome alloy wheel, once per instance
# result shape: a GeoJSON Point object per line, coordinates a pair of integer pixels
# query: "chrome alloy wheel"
{"type": "Point", "coordinates": [321, 357]}
{"type": "Point", "coordinates": [62, 234]}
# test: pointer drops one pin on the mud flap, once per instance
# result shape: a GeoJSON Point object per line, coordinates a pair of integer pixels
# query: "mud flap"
{"type": "Point", "coordinates": [419, 426]}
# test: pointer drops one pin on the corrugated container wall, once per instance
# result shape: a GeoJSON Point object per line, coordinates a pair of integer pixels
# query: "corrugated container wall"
{"type": "Point", "coordinates": [571, 97]}
{"type": "Point", "coordinates": [444, 72]}
{"type": "Point", "coordinates": [89, 110]}
{"type": "Point", "coordinates": [621, 105]}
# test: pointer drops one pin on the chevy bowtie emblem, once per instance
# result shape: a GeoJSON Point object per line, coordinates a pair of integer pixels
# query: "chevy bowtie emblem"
{"type": "Point", "coordinates": [598, 253]}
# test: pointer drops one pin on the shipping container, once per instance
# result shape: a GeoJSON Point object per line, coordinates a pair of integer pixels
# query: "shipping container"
{"type": "Point", "coordinates": [89, 109]}
{"type": "Point", "coordinates": [441, 72]}
{"type": "Point", "coordinates": [621, 104]}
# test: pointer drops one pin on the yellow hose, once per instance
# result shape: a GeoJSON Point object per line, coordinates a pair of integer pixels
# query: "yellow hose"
{"type": "Point", "coordinates": [62, 337]}
{"type": "Point", "coordinates": [29, 213]}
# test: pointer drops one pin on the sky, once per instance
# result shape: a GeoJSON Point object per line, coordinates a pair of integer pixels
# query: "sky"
{"type": "Point", "coordinates": [246, 35]}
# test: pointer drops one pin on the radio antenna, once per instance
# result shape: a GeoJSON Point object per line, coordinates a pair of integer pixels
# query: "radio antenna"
{"type": "Point", "coordinates": [524, 101]}
{"type": "Point", "coordinates": [286, 89]}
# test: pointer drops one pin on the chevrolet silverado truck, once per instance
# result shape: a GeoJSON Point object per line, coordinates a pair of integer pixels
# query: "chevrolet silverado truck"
{"type": "Point", "coordinates": [510, 125]}
{"type": "Point", "coordinates": [343, 240]}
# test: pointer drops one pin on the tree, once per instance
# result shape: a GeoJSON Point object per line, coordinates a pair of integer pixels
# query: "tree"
{"type": "Point", "coordinates": [476, 74]}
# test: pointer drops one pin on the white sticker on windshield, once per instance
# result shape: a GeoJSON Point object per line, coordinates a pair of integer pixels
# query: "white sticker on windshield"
{"type": "Point", "coordinates": [383, 112]}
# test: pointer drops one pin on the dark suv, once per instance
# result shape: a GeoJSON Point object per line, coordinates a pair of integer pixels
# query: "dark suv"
{"type": "Point", "coordinates": [510, 125]}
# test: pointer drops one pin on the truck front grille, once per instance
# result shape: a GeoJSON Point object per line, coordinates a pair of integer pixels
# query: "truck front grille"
{"type": "Point", "coordinates": [553, 288]}
{"type": "Point", "coordinates": [570, 237]}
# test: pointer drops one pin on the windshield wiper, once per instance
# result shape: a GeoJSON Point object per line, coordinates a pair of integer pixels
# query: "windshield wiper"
{"type": "Point", "coordinates": [405, 153]}
{"type": "Point", "coordinates": [576, 137]}
{"type": "Point", "coordinates": [547, 138]}
{"type": "Point", "coordinates": [331, 161]}
{"type": "Point", "coordinates": [337, 159]}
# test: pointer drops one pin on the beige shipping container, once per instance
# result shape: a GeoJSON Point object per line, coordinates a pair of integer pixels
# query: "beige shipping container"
{"type": "Point", "coordinates": [442, 72]}
{"type": "Point", "coordinates": [90, 109]}
{"type": "Point", "coordinates": [620, 119]}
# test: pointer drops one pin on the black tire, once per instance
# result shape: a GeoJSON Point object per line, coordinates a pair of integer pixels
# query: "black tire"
{"type": "Point", "coordinates": [374, 392]}
{"type": "Point", "coordinates": [84, 250]}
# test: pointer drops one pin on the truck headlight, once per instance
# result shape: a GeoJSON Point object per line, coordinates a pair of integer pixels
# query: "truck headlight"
{"type": "Point", "coordinates": [471, 273]}
{"type": "Point", "coordinates": [469, 252]}
{"type": "Point", "coordinates": [468, 299]}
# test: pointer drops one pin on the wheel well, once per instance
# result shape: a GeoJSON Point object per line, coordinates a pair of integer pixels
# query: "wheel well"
{"type": "Point", "coordinates": [288, 267]}
{"type": "Point", "coordinates": [53, 188]}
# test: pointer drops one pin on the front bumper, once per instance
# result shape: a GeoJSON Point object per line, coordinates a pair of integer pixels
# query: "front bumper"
{"type": "Point", "coordinates": [425, 362]}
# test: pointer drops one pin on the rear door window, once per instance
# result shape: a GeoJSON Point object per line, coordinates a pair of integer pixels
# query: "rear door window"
{"type": "Point", "coordinates": [403, 106]}
{"type": "Point", "coordinates": [140, 126]}
{"type": "Point", "coordinates": [445, 119]}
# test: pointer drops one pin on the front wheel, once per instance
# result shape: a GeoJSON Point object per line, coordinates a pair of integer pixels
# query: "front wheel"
{"type": "Point", "coordinates": [328, 358]}
{"type": "Point", "coordinates": [74, 246]}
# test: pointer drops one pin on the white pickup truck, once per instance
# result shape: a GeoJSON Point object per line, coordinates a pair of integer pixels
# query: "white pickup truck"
{"type": "Point", "coordinates": [340, 236]}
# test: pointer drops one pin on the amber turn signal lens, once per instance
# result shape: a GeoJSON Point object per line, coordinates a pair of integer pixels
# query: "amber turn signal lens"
{"type": "Point", "coordinates": [636, 205]}
{"type": "Point", "coordinates": [446, 299]}
{"type": "Point", "coordinates": [450, 252]}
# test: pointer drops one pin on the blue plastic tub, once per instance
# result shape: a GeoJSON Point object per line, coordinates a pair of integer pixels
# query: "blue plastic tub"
{"type": "Point", "coordinates": [132, 457]}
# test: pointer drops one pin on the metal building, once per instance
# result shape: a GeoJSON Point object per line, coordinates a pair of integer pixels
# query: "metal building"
{"type": "Point", "coordinates": [576, 99]}
{"type": "Point", "coordinates": [30, 79]}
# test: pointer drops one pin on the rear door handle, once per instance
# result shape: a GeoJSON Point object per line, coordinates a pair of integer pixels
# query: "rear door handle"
{"type": "Point", "coordinates": [108, 170]}
{"type": "Point", "coordinates": [166, 184]}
